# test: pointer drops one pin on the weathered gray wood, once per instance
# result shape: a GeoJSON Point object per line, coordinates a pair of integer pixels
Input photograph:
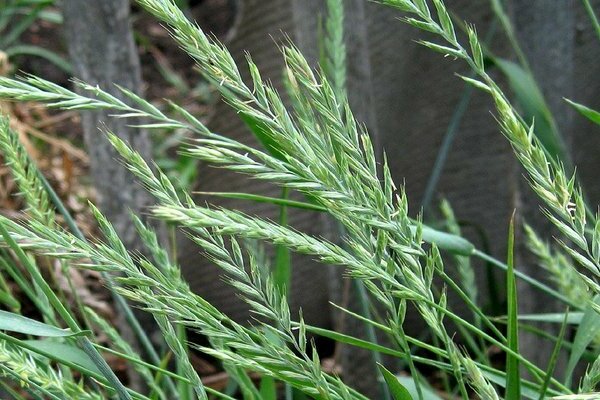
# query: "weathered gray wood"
{"type": "Point", "coordinates": [102, 51]}
{"type": "Point", "coordinates": [545, 30]}
{"type": "Point", "coordinates": [586, 90]}
{"type": "Point", "coordinates": [406, 95]}
{"type": "Point", "coordinates": [260, 28]}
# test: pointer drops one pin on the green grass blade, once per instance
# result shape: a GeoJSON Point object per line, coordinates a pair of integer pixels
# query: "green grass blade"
{"type": "Point", "coordinates": [21, 26]}
{"type": "Point", "coordinates": [573, 318]}
{"type": "Point", "coordinates": [398, 391]}
{"type": "Point", "coordinates": [409, 383]}
{"type": "Point", "coordinates": [513, 378]}
{"type": "Point", "coordinates": [592, 15]}
{"type": "Point", "coordinates": [40, 52]}
{"type": "Point", "coordinates": [17, 323]}
{"type": "Point", "coordinates": [554, 357]}
{"type": "Point", "coordinates": [589, 329]}
{"type": "Point", "coordinates": [587, 112]}
{"type": "Point", "coordinates": [64, 352]}
{"type": "Point", "coordinates": [268, 391]}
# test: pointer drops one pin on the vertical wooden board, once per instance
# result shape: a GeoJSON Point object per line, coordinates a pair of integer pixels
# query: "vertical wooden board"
{"type": "Point", "coordinates": [102, 51]}
{"type": "Point", "coordinates": [415, 95]}
{"type": "Point", "coordinates": [586, 90]}
{"type": "Point", "coordinates": [545, 30]}
{"type": "Point", "coordinates": [260, 28]}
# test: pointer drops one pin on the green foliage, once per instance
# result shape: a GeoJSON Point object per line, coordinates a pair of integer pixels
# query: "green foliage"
{"type": "Point", "coordinates": [317, 148]}
{"type": "Point", "coordinates": [16, 16]}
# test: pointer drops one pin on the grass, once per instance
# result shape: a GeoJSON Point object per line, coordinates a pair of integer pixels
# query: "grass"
{"type": "Point", "coordinates": [317, 148]}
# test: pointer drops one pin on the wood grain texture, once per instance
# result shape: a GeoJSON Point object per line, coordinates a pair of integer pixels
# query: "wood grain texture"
{"type": "Point", "coordinates": [406, 95]}
{"type": "Point", "coordinates": [546, 31]}
{"type": "Point", "coordinates": [102, 52]}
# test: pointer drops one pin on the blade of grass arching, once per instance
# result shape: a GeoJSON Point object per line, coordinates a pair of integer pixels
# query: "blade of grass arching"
{"type": "Point", "coordinates": [121, 303]}
{"type": "Point", "coordinates": [592, 15]}
{"type": "Point", "coordinates": [554, 357]}
{"type": "Point", "coordinates": [17, 323]}
{"type": "Point", "coordinates": [398, 391]}
{"type": "Point", "coordinates": [588, 330]}
{"type": "Point", "coordinates": [65, 315]}
{"type": "Point", "coordinates": [513, 377]}
{"type": "Point", "coordinates": [587, 112]}
{"type": "Point", "coordinates": [63, 352]}
{"type": "Point", "coordinates": [282, 273]}
{"type": "Point", "coordinates": [40, 52]}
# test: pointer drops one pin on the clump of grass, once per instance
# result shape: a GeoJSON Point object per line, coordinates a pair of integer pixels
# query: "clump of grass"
{"type": "Point", "coordinates": [315, 147]}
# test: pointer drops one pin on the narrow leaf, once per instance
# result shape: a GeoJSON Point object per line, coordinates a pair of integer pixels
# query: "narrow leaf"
{"type": "Point", "coordinates": [588, 330]}
{"type": "Point", "coordinates": [65, 352]}
{"type": "Point", "coordinates": [398, 391]}
{"type": "Point", "coordinates": [17, 323]}
{"type": "Point", "coordinates": [513, 379]}
{"type": "Point", "coordinates": [554, 357]}
{"type": "Point", "coordinates": [587, 112]}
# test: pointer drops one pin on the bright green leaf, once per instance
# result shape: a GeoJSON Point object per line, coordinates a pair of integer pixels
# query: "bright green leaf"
{"type": "Point", "coordinates": [398, 391]}
{"type": "Point", "coordinates": [17, 323]}
{"type": "Point", "coordinates": [587, 112]}
{"type": "Point", "coordinates": [589, 329]}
